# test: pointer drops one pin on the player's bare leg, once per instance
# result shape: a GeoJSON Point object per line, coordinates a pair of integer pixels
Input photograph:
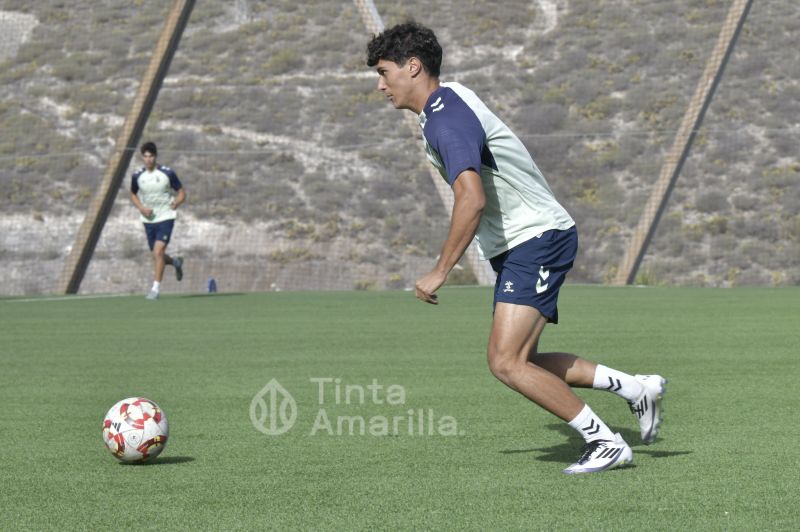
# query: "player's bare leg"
{"type": "Point", "coordinates": [643, 393]}
{"type": "Point", "coordinates": [515, 331]}
{"type": "Point", "coordinates": [575, 371]}
{"type": "Point", "coordinates": [515, 334]}
{"type": "Point", "coordinates": [159, 260]}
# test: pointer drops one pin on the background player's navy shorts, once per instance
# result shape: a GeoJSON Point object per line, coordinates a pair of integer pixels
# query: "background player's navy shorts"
{"type": "Point", "coordinates": [532, 273]}
{"type": "Point", "coordinates": [159, 231]}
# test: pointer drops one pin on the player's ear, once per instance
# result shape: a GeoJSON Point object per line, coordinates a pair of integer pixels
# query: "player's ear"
{"type": "Point", "coordinates": [414, 66]}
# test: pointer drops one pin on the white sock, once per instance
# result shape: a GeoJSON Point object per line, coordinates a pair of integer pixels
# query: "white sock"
{"type": "Point", "coordinates": [156, 286]}
{"type": "Point", "coordinates": [617, 382]}
{"type": "Point", "coordinates": [590, 426]}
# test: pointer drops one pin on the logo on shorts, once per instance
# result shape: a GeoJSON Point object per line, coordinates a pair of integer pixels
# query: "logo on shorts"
{"type": "Point", "coordinates": [509, 287]}
{"type": "Point", "coordinates": [543, 275]}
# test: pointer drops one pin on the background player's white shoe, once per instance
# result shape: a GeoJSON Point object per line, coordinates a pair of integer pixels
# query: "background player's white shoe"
{"type": "Point", "coordinates": [152, 295]}
{"type": "Point", "coordinates": [600, 455]}
{"type": "Point", "coordinates": [647, 406]}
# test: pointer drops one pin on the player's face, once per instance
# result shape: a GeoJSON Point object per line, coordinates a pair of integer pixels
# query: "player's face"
{"type": "Point", "coordinates": [149, 160]}
{"type": "Point", "coordinates": [394, 81]}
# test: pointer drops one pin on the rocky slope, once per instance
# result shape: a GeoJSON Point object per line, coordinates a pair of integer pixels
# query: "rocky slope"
{"type": "Point", "coordinates": [301, 177]}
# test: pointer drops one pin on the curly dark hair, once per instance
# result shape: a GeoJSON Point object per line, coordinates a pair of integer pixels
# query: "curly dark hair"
{"type": "Point", "coordinates": [403, 41]}
{"type": "Point", "coordinates": [149, 147]}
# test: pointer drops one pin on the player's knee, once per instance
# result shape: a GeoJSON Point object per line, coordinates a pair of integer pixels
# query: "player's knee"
{"type": "Point", "coordinates": [502, 365]}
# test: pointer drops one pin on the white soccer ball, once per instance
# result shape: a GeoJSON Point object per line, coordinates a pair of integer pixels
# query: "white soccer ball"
{"type": "Point", "coordinates": [135, 429]}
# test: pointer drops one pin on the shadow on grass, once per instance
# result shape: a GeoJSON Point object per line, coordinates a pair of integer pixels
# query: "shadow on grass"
{"type": "Point", "coordinates": [567, 451]}
{"type": "Point", "coordinates": [167, 460]}
{"type": "Point", "coordinates": [215, 294]}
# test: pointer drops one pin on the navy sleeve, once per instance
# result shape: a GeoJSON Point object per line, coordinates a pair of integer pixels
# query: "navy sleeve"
{"type": "Point", "coordinates": [174, 182]}
{"type": "Point", "coordinates": [459, 149]}
{"type": "Point", "coordinates": [455, 132]}
{"type": "Point", "coordinates": [135, 182]}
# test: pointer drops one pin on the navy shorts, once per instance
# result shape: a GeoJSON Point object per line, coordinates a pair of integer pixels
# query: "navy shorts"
{"type": "Point", "coordinates": [159, 231]}
{"type": "Point", "coordinates": [532, 273]}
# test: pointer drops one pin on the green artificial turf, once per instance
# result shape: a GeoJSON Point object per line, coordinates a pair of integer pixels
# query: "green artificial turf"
{"type": "Point", "coordinates": [725, 460]}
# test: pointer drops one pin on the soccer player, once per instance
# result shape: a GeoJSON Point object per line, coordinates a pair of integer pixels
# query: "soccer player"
{"type": "Point", "coordinates": [157, 192]}
{"type": "Point", "coordinates": [502, 200]}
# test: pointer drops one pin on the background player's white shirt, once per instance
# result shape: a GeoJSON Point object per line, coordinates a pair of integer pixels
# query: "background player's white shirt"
{"type": "Point", "coordinates": [156, 191]}
{"type": "Point", "coordinates": [461, 133]}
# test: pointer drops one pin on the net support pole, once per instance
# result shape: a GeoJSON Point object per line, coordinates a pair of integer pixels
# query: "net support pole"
{"type": "Point", "coordinates": [673, 163]}
{"type": "Point", "coordinates": [480, 268]}
{"type": "Point", "coordinates": [88, 235]}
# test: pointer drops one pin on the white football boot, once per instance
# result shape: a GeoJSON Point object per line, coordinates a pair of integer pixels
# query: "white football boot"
{"type": "Point", "coordinates": [600, 455]}
{"type": "Point", "coordinates": [647, 406]}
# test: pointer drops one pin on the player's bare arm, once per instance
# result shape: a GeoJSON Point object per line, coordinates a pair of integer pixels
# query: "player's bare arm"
{"type": "Point", "coordinates": [180, 197]}
{"type": "Point", "coordinates": [469, 201]}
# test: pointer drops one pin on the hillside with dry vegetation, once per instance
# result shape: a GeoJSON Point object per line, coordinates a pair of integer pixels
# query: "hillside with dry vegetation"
{"type": "Point", "coordinates": [300, 175]}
